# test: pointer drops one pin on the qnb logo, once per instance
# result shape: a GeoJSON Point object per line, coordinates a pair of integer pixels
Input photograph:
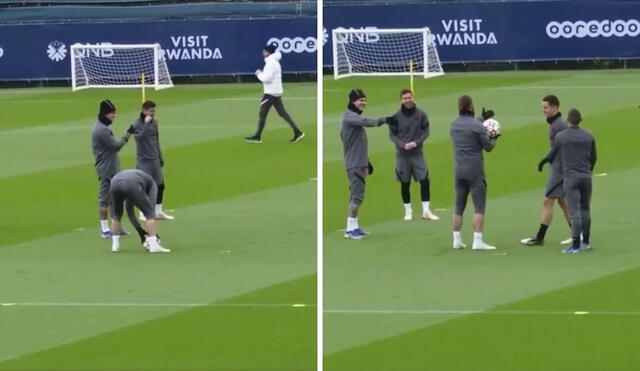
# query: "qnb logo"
{"type": "Point", "coordinates": [606, 28]}
{"type": "Point", "coordinates": [295, 44]}
{"type": "Point", "coordinates": [358, 37]}
{"type": "Point", "coordinates": [57, 51]}
{"type": "Point", "coordinates": [1, 52]}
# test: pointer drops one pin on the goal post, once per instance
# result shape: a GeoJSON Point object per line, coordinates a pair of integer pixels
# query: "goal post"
{"type": "Point", "coordinates": [119, 66]}
{"type": "Point", "coordinates": [385, 52]}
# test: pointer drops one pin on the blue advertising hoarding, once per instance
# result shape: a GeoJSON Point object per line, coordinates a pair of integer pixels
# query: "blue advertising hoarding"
{"type": "Point", "coordinates": [505, 31]}
{"type": "Point", "coordinates": [214, 47]}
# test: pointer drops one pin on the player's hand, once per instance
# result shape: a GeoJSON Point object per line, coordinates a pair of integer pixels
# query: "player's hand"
{"type": "Point", "coordinates": [495, 136]}
{"type": "Point", "coordinates": [370, 166]}
{"type": "Point", "coordinates": [487, 114]}
{"type": "Point", "coordinates": [391, 121]}
{"type": "Point", "coordinates": [131, 130]}
{"type": "Point", "coordinates": [148, 119]}
{"type": "Point", "coordinates": [541, 163]}
{"type": "Point", "coordinates": [407, 146]}
{"type": "Point", "coordinates": [258, 72]}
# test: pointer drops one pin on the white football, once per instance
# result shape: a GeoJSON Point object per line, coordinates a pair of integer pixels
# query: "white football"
{"type": "Point", "coordinates": [492, 127]}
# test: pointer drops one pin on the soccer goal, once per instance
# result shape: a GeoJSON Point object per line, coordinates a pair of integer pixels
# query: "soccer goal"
{"type": "Point", "coordinates": [385, 52]}
{"type": "Point", "coordinates": [119, 66]}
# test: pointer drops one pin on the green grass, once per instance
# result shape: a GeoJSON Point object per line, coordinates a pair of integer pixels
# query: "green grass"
{"type": "Point", "coordinates": [402, 299]}
{"type": "Point", "coordinates": [243, 240]}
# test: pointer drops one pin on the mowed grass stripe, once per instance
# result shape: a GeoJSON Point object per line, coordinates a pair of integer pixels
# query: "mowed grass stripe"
{"type": "Point", "coordinates": [515, 108]}
{"type": "Point", "coordinates": [510, 167]}
{"type": "Point", "coordinates": [217, 254]}
{"type": "Point", "coordinates": [410, 266]}
{"type": "Point", "coordinates": [206, 338]}
{"type": "Point", "coordinates": [57, 145]}
{"type": "Point", "coordinates": [500, 340]}
{"type": "Point", "coordinates": [54, 106]}
{"type": "Point", "coordinates": [60, 200]}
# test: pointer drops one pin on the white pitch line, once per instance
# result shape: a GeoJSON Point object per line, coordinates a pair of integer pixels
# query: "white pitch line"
{"type": "Point", "coordinates": [567, 87]}
{"type": "Point", "coordinates": [489, 312]}
{"type": "Point", "coordinates": [141, 305]}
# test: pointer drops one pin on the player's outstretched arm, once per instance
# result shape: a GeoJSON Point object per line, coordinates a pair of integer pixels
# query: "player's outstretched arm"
{"type": "Point", "coordinates": [360, 121]}
{"type": "Point", "coordinates": [112, 143]}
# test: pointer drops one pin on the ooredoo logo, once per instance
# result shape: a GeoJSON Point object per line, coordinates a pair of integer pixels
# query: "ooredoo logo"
{"type": "Point", "coordinates": [593, 28]}
{"type": "Point", "coordinates": [295, 44]}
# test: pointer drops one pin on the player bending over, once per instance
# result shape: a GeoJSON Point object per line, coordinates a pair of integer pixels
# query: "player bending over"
{"type": "Point", "coordinates": [135, 188]}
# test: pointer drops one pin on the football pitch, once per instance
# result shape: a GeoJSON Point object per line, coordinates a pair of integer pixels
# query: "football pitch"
{"type": "Point", "coordinates": [238, 291]}
{"type": "Point", "coordinates": [403, 299]}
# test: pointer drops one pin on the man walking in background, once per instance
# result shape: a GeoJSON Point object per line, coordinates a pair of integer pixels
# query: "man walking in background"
{"type": "Point", "coordinates": [554, 190]}
{"type": "Point", "coordinates": [271, 77]}
{"type": "Point", "coordinates": [470, 139]}
{"type": "Point", "coordinates": [356, 156]}
{"type": "Point", "coordinates": [105, 152]}
{"type": "Point", "coordinates": [409, 130]}
{"type": "Point", "coordinates": [148, 154]}
{"type": "Point", "coordinates": [576, 148]}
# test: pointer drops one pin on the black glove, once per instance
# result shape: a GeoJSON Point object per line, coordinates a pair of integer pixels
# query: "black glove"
{"type": "Point", "coordinates": [541, 163]}
{"type": "Point", "coordinates": [131, 130]}
{"type": "Point", "coordinates": [495, 136]}
{"type": "Point", "coordinates": [487, 114]}
{"type": "Point", "coordinates": [370, 166]}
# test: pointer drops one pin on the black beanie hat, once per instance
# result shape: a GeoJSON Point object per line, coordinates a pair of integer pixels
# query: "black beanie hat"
{"type": "Point", "coordinates": [271, 48]}
{"type": "Point", "coordinates": [356, 94]}
{"type": "Point", "coordinates": [106, 107]}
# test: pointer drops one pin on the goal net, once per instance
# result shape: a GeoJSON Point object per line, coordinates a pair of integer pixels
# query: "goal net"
{"type": "Point", "coordinates": [385, 52]}
{"type": "Point", "coordinates": [119, 66]}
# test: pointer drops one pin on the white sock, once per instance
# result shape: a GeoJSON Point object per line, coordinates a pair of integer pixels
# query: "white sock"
{"type": "Point", "coordinates": [407, 208]}
{"type": "Point", "coordinates": [104, 225]}
{"type": "Point", "coordinates": [152, 241]}
{"type": "Point", "coordinates": [115, 242]}
{"type": "Point", "coordinates": [158, 208]}
{"type": "Point", "coordinates": [456, 237]}
{"type": "Point", "coordinates": [352, 224]}
{"type": "Point", "coordinates": [477, 237]}
{"type": "Point", "coordinates": [425, 207]}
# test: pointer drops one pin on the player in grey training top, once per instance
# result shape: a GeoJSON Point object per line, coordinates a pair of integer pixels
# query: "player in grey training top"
{"type": "Point", "coordinates": [148, 155]}
{"type": "Point", "coordinates": [131, 188]}
{"type": "Point", "coordinates": [105, 152]}
{"type": "Point", "coordinates": [470, 139]}
{"type": "Point", "coordinates": [554, 189]}
{"type": "Point", "coordinates": [576, 148]}
{"type": "Point", "coordinates": [356, 156]}
{"type": "Point", "coordinates": [408, 130]}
